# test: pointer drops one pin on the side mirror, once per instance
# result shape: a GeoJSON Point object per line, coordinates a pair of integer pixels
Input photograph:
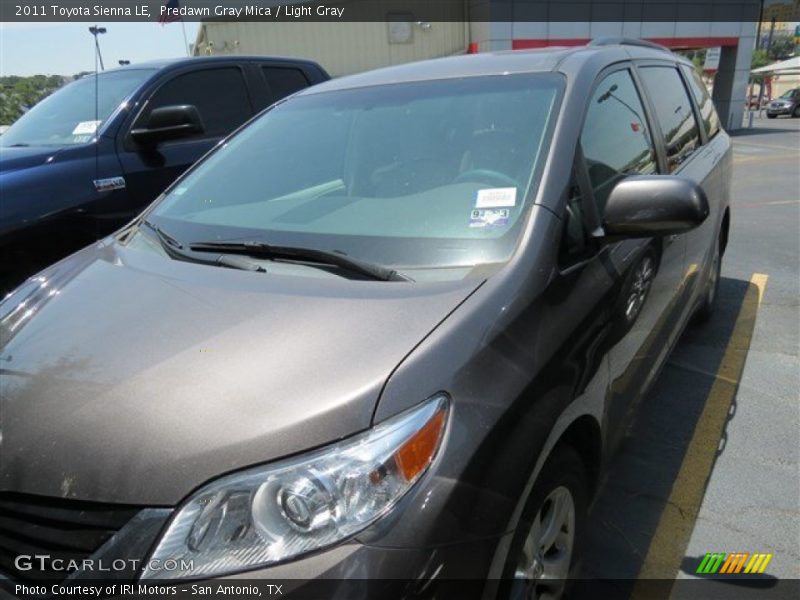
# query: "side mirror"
{"type": "Point", "coordinates": [169, 123]}
{"type": "Point", "coordinates": [653, 205]}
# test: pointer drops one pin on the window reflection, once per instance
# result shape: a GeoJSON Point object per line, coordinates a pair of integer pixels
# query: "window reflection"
{"type": "Point", "coordinates": [673, 112]}
{"type": "Point", "coordinates": [615, 139]}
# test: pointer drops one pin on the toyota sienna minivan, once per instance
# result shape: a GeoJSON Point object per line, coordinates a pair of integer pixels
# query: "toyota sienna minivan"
{"type": "Point", "coordinates": [390, 329]}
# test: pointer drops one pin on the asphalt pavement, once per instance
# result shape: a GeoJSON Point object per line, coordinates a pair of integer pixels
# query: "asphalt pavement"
{"type": "Point", "coordinates": [710, 462]}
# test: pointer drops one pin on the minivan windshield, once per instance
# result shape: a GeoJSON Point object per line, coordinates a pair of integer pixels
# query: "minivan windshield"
{"type": "Point", "coordinates": [68, 115]}
{"type": "Point", "coordinates": [412, 175]}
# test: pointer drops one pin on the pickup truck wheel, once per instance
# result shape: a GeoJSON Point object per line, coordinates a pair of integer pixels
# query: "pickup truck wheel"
{"type": "Point", "coordinates": [544, 549]}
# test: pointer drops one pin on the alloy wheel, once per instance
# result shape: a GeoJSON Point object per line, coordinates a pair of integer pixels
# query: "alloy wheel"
{"type": "Point", "coordinates": [544, 562]}
{"type": "Point", "coordinates": [640, 286]}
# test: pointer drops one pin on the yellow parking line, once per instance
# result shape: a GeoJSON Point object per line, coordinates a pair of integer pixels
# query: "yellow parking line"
{"type": "Point", "coordinates": [668, 544]}
{"type": "Point", "coordinates": [738, 159]}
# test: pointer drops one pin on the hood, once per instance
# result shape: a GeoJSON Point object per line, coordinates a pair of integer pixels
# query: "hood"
{"type": "Point", "coordinates": [129, 377]}
{"type": "Point", "coordinates": [13, 158]}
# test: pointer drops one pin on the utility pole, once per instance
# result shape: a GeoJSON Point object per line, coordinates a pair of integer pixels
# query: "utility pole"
{"type": "Point", "coordinates": [758, 32]}
{"type": "Point", "coordinates": [761, 85]}
{"type": "Point", "coordinates": [769, 39]}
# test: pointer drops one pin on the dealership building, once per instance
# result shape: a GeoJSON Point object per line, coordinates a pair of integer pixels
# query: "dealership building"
{"type": "Point", "coordinates": [456, 28]}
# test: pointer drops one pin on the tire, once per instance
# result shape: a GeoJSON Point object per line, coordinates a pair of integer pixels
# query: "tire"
{"type": "Point", "coordinates": [706, 308]}
{"type": "Point", "coordinates": [544, 551]}
{"type": "Point", "coordinates": [796, 112]}
{"type": "Point", "coordinates": [769, 116]}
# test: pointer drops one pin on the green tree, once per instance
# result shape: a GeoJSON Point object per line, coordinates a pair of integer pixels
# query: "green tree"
{"type": "Point", "coordinates": [18, 94]}
{"type": "Point", "coordinates": [782, 47]}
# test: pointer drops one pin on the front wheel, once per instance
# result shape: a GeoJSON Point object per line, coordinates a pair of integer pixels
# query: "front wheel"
{"type": "Point", "coordinates": [796, 112]}
{"type": "Point", "coordinates": [769, 116]}
{"type": "Point", "coordinates": [544, 549]}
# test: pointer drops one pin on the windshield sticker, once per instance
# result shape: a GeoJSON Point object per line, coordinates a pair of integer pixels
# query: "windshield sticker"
{"type": "Point", "coordinates": [496, 197]}
{"type": "Point", "coordinates": [85, 127]}
{"type": "Point", "coordinates": [489, 217]}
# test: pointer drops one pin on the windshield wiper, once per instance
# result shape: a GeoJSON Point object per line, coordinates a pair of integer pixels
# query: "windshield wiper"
{"type": "Point", "coordinates": [175, 250]}
{"type": "Point", "coordinates": [18, 145]}
{"type": "Point", "coordinates": [300, 254]}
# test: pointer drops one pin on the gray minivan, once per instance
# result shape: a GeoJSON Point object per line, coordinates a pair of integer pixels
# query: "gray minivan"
{"type": "Point", "coordinates": [392, 328]}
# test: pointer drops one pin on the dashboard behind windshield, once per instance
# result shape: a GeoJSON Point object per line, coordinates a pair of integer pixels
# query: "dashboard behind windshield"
{"type": "Point", "coordinates": [68, 116]}
{"type": "Point", "coordinates": [415, 175]}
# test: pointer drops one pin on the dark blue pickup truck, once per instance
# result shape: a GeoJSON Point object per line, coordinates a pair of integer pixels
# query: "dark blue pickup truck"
{"type": "Point", "coordinates": [88, 158]}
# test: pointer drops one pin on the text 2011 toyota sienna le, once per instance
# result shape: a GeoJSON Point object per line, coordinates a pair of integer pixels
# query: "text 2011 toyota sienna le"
{"type": "Point", "coordinates": [391, 328]}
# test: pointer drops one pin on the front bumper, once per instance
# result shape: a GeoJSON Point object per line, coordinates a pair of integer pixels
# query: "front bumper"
{"type": "Point", "coordinates": [779, 110]}
{"type": "Point", "coordinates": [352, 570]}
{"type": "Point", "coordinates": [355, 570]}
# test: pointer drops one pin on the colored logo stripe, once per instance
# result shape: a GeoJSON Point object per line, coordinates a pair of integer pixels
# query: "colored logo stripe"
{"type": "Point", "coordinates": [758, 563]}
{"type": "Point", "coordinates": [733, 563]}
{"type": "Point", "coordinates": [711, 562]}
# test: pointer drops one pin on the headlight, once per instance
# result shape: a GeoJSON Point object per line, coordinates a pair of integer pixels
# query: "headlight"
{"type": "Point", "coordinates": [275, 512]}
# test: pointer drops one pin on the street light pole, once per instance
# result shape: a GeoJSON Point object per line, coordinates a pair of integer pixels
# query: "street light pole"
{"type": "Point", "coordinates": [97, 31]}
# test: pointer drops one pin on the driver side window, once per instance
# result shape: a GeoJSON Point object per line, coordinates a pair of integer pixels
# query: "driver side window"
{"type": "Point", "coordinates": [616, 139]}
{"type": "Point", "coordinates": [616, 142]}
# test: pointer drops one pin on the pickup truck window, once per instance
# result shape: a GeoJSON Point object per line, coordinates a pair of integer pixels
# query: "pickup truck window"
{"type": "Point", "coordinates": [68, 117]}
{"type": "Point", "coordinates": [283, 81]}
{"type": "Point", "coordinates": [220, 95]}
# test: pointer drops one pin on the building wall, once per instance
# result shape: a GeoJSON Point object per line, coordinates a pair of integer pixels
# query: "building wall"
{"type": "Point", "coordinates": [341, 49]}
{"type": "Point", "coordinates": [350, 47]}
{"type": "Point", "coordinates": [784, 83]}
{"type": "Point", "coordinates": [737, 40]}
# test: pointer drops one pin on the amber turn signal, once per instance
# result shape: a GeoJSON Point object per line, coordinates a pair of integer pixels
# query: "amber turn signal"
{"type": "Point", "coordinates": [416, 454]}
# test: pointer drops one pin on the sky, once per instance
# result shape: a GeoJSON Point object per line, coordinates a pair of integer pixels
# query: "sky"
{"type": "Point", "coordinates": [68, 48]}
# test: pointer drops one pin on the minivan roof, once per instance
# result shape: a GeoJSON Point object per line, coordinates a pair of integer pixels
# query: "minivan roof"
{"type": "Point", "coordinates": [491, 63]}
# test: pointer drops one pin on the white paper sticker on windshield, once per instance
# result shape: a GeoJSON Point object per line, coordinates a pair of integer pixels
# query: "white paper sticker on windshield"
{"type": "Point", "coordinates": [496, 198]}
{"type": "Point", "coordinates": [85, 127]}
{"type": "Point", "coordinates": [488, 218]}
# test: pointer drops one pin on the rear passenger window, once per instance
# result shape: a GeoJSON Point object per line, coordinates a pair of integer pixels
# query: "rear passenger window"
{"type": "Point", "coordinates": [703, 99]}
{"type": "Point", "coordinates": [673, 113]}
{"type": "Point", "coordinates": [283, 81]}
{"type": "Point", "coordinates": [615, 139]}
{"type": "Point", "coordinates": [220, 96]}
